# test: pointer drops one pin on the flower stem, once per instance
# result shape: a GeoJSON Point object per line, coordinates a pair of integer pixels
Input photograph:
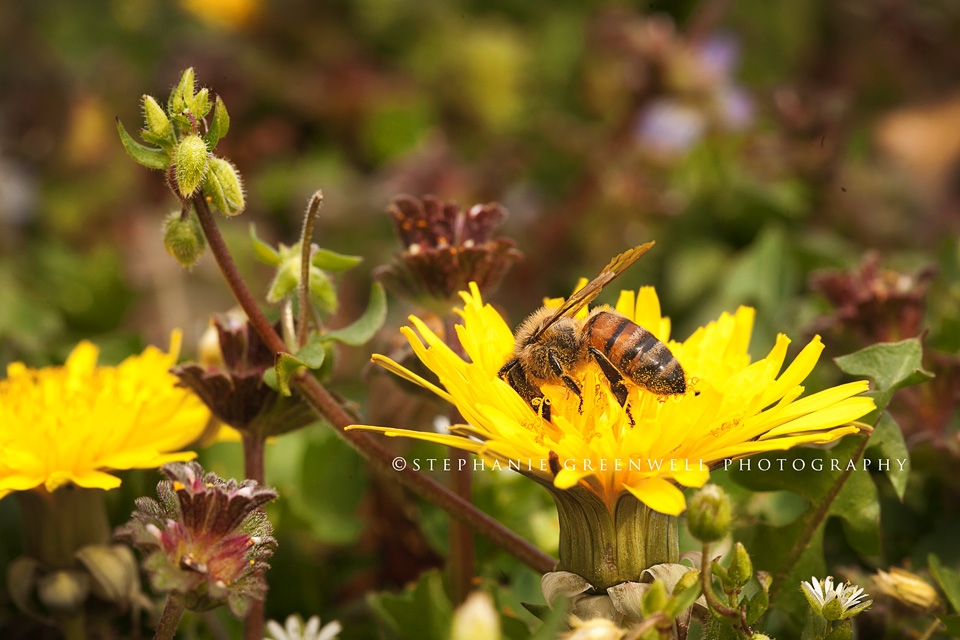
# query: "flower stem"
{"type": "Point", "coordinates": [253, 467]}
{"type": "Point", "coordinates": [306, 236]}
{"type": "Point", "coordinates": [929, 631]}
{"type": "Point", "coordinates": [170, 619]}
{"type": "Point", "coordinates": [326, 406]}
{"type": "Point", "coordinates": [461, 538]}
{"type": "Point", "coordinates": [816, 521]}
{"type": "Point", "coordinates": [706, 584]}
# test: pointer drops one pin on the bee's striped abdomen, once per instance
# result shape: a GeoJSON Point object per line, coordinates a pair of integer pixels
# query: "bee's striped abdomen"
{"type": "Point", "coordinates": [636, 353]}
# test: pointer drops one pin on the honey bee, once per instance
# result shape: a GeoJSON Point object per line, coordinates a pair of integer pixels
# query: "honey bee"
{"type": "Point", "coordinates": [552, 346]}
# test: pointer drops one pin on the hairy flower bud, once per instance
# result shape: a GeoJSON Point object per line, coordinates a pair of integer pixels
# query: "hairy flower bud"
{"type": "Point", "coordinates": [183, 238]}
{"type": "Point", "coordinates": [741, 568]}
{"type": "Point", "coordinates": [182, 95]}
{"type": "Point", "coordinates": [156, 120]}
{"type": "Point", "coordinates": [708, 514]}
{"type": "Point", "coordinates": [223, 188]}
{"type": "Point", "coordinates": [190, 159]}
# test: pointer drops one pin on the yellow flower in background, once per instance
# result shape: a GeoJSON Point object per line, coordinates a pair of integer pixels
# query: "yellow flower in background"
{"type": "Point", "coordinates": [732, 408]}
{"type": "Point", "coordinates": [226, 14]}
{"type": "Point", "coordinates": [69, 424]}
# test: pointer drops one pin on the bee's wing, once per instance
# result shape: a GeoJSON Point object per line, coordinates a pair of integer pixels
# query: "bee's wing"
{"type": "Point", "coordinates": [590, 291]}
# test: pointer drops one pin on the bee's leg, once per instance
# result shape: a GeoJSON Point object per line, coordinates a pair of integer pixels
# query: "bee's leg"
{"type": "Point", "coordinates": [516, 376]}
{"type": "Point", "coordinates": [612, 374]}
{"type": "Point", "coordinates": [557, 369]}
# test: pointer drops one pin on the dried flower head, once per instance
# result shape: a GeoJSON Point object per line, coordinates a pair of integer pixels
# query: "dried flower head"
{"type": "Point", "coordinates": [206, 541]}
{"type": "Point", "coordinates": [445, 248]}
{"type": "Point", "coordinates": [233, 387]}
{"type": "Point", "coordinates": [877, 305]}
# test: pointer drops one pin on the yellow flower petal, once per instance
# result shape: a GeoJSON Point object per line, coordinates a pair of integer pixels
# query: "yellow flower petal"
{"type": "Point", "coordinates": [67, 425]}
{"type": "Point", "coordinates": [732, 408]}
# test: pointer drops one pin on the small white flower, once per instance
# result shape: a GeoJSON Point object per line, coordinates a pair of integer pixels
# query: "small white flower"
{"type": "Point", "coordinates": [835, 602]}
{"type": "Point", "coordinates": [295, 629]}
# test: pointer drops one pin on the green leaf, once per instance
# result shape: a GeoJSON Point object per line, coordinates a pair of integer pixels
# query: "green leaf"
{"type": "Point", "coordinates": [891, 365]}
{"type": "Point", "coordinates": [887, 445]}
{"type": "Point", "coordinates": [219, 125]}
{"type": "Point", "coordinates": [843, 631]}
{"type": "Point", "coordinates": [322, 292]}
{"type": "Point", "coordinates": [332, 261]}
{"type": "Point", "coordinates": [311, 356]}
{"type": "Point", "coordinates": [150, 157]}
{"type": "Point", "coordinates": [364, 328]}
{"type": "Point", "coordinates": [262, 251]}
{"type": "Point", "coordinates": [423, 612]}
{"type": "Point", "coordinates": [757, 606]}
{"type": "Point", "coordinates": [948, 580]}
{"type": "Point", "coordinates": [539, 611]}
{"type": "Point", "coordinates": [814, 627]}
{"type": "Point", "coordinates": [554, 621]}
{"type": "Point", "coordinates": [682, 601]}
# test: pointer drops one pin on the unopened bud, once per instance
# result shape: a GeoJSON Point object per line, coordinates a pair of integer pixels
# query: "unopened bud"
{"type": "Point", "coordinates": [183, 238]}
{"type": "Point", "coordinates": [741, 568]}
{"type": "Point", "coordinates": [655, 599]}
{"type": "Point", "coordinates": [709, 514]}
{"type": "Point", "coordinates": [182, 94]}
{"type": "Point", "coordinates": [63, 592]}
{"type": "Point", "coordinates": [156, 120]}
{"type": "Point", "coordinates": [760, 636]}
{"type": "Point", "coordinates": [191, 164]}
{"type": "Point", "coordinates": [687, 580]}
{"type": "Point", "coordinates": [200, 105]}
{"type": "Point", "coordinates": [223, 188]}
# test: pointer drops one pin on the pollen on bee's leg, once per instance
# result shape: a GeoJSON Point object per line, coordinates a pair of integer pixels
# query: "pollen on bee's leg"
{"type": "Point", "coordinates": [633, 422]}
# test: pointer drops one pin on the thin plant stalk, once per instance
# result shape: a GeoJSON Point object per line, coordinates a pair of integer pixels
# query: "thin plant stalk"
{"type": "Point", "coordinates": [169, 619]}
{"type": "Point", "coordinates": [306, 237]}
{"type": "Point", "coordinates": [327, 407]}
{"type": "Point", "coordinates": [462, 560]}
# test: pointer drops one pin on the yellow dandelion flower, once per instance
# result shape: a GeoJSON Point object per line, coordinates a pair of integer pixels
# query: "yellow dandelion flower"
{"type": "Point", "coordinates": [732, 408]}
{"type": "Point", "coordinates": [69, 424]}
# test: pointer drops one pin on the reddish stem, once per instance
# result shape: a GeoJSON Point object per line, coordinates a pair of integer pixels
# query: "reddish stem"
{"type": "Point", "coordinates": [326, 406]}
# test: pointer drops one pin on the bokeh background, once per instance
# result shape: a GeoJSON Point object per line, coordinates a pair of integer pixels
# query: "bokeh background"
{"type": "Point", "coordinates": [801, 157]}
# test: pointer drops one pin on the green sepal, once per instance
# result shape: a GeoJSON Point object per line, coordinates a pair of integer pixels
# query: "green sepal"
{"type": "Point", "coordinates": [262, 251]}
{"type": "Point", "coordinates": [310, 355]}
{"type": "Point", "coordinates": [150, 157]}
{"type": "Point", "coordinates": [159, 130]}
{"type": "Point", "coordinates": [322, 292]}
{"type": "Point", "coordinates": [682, 601]}
{"type": "Point", "coordinates": [539, 611]}
{"type": "Point", "coordinates": [182, 95]}
{"type": "Point", "coordinates": [655, 599]}
{"type": "Point", "coordinates": [22, 575]}
{"type": "Point", "coordinates": [332, 261]}
{"type": "Point", "coordinates": [948, 580]}
{"type": "Point", "coordinates": [721, 574]}
{"type": "Point", "coordinates": [222, 186]}
{"type": "Point", "coordinates": [219, 125]}
{"type": "Point", "coordinates": [200, 105]}
{"type": "Point", "coordinates": [367, 325]}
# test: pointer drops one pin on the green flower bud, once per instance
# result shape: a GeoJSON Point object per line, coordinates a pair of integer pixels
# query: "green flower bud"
{"type": "Point", "coordinates": [709, 514]}
{"type": "Point", "coordinates": [200, 105]}
{"type": "Point", "coordinates": [687, 580]}
{"type": "Point", "coordinates": [182, 95]}
{"type": "Point", "coordinates": [183, 239]}
{"type": "Point", "coordinates": [157, 121]}
{"type": "Point", "coordinates": [741, 568]}
{"type": "Point", "coordinates": [655, 599]}
{"type": "Point", "coordinates": [222, 187]}
{"type": "Point", "coordinates": [760, 636]}
{"type": "Point", "coordinates": [191, 164]}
